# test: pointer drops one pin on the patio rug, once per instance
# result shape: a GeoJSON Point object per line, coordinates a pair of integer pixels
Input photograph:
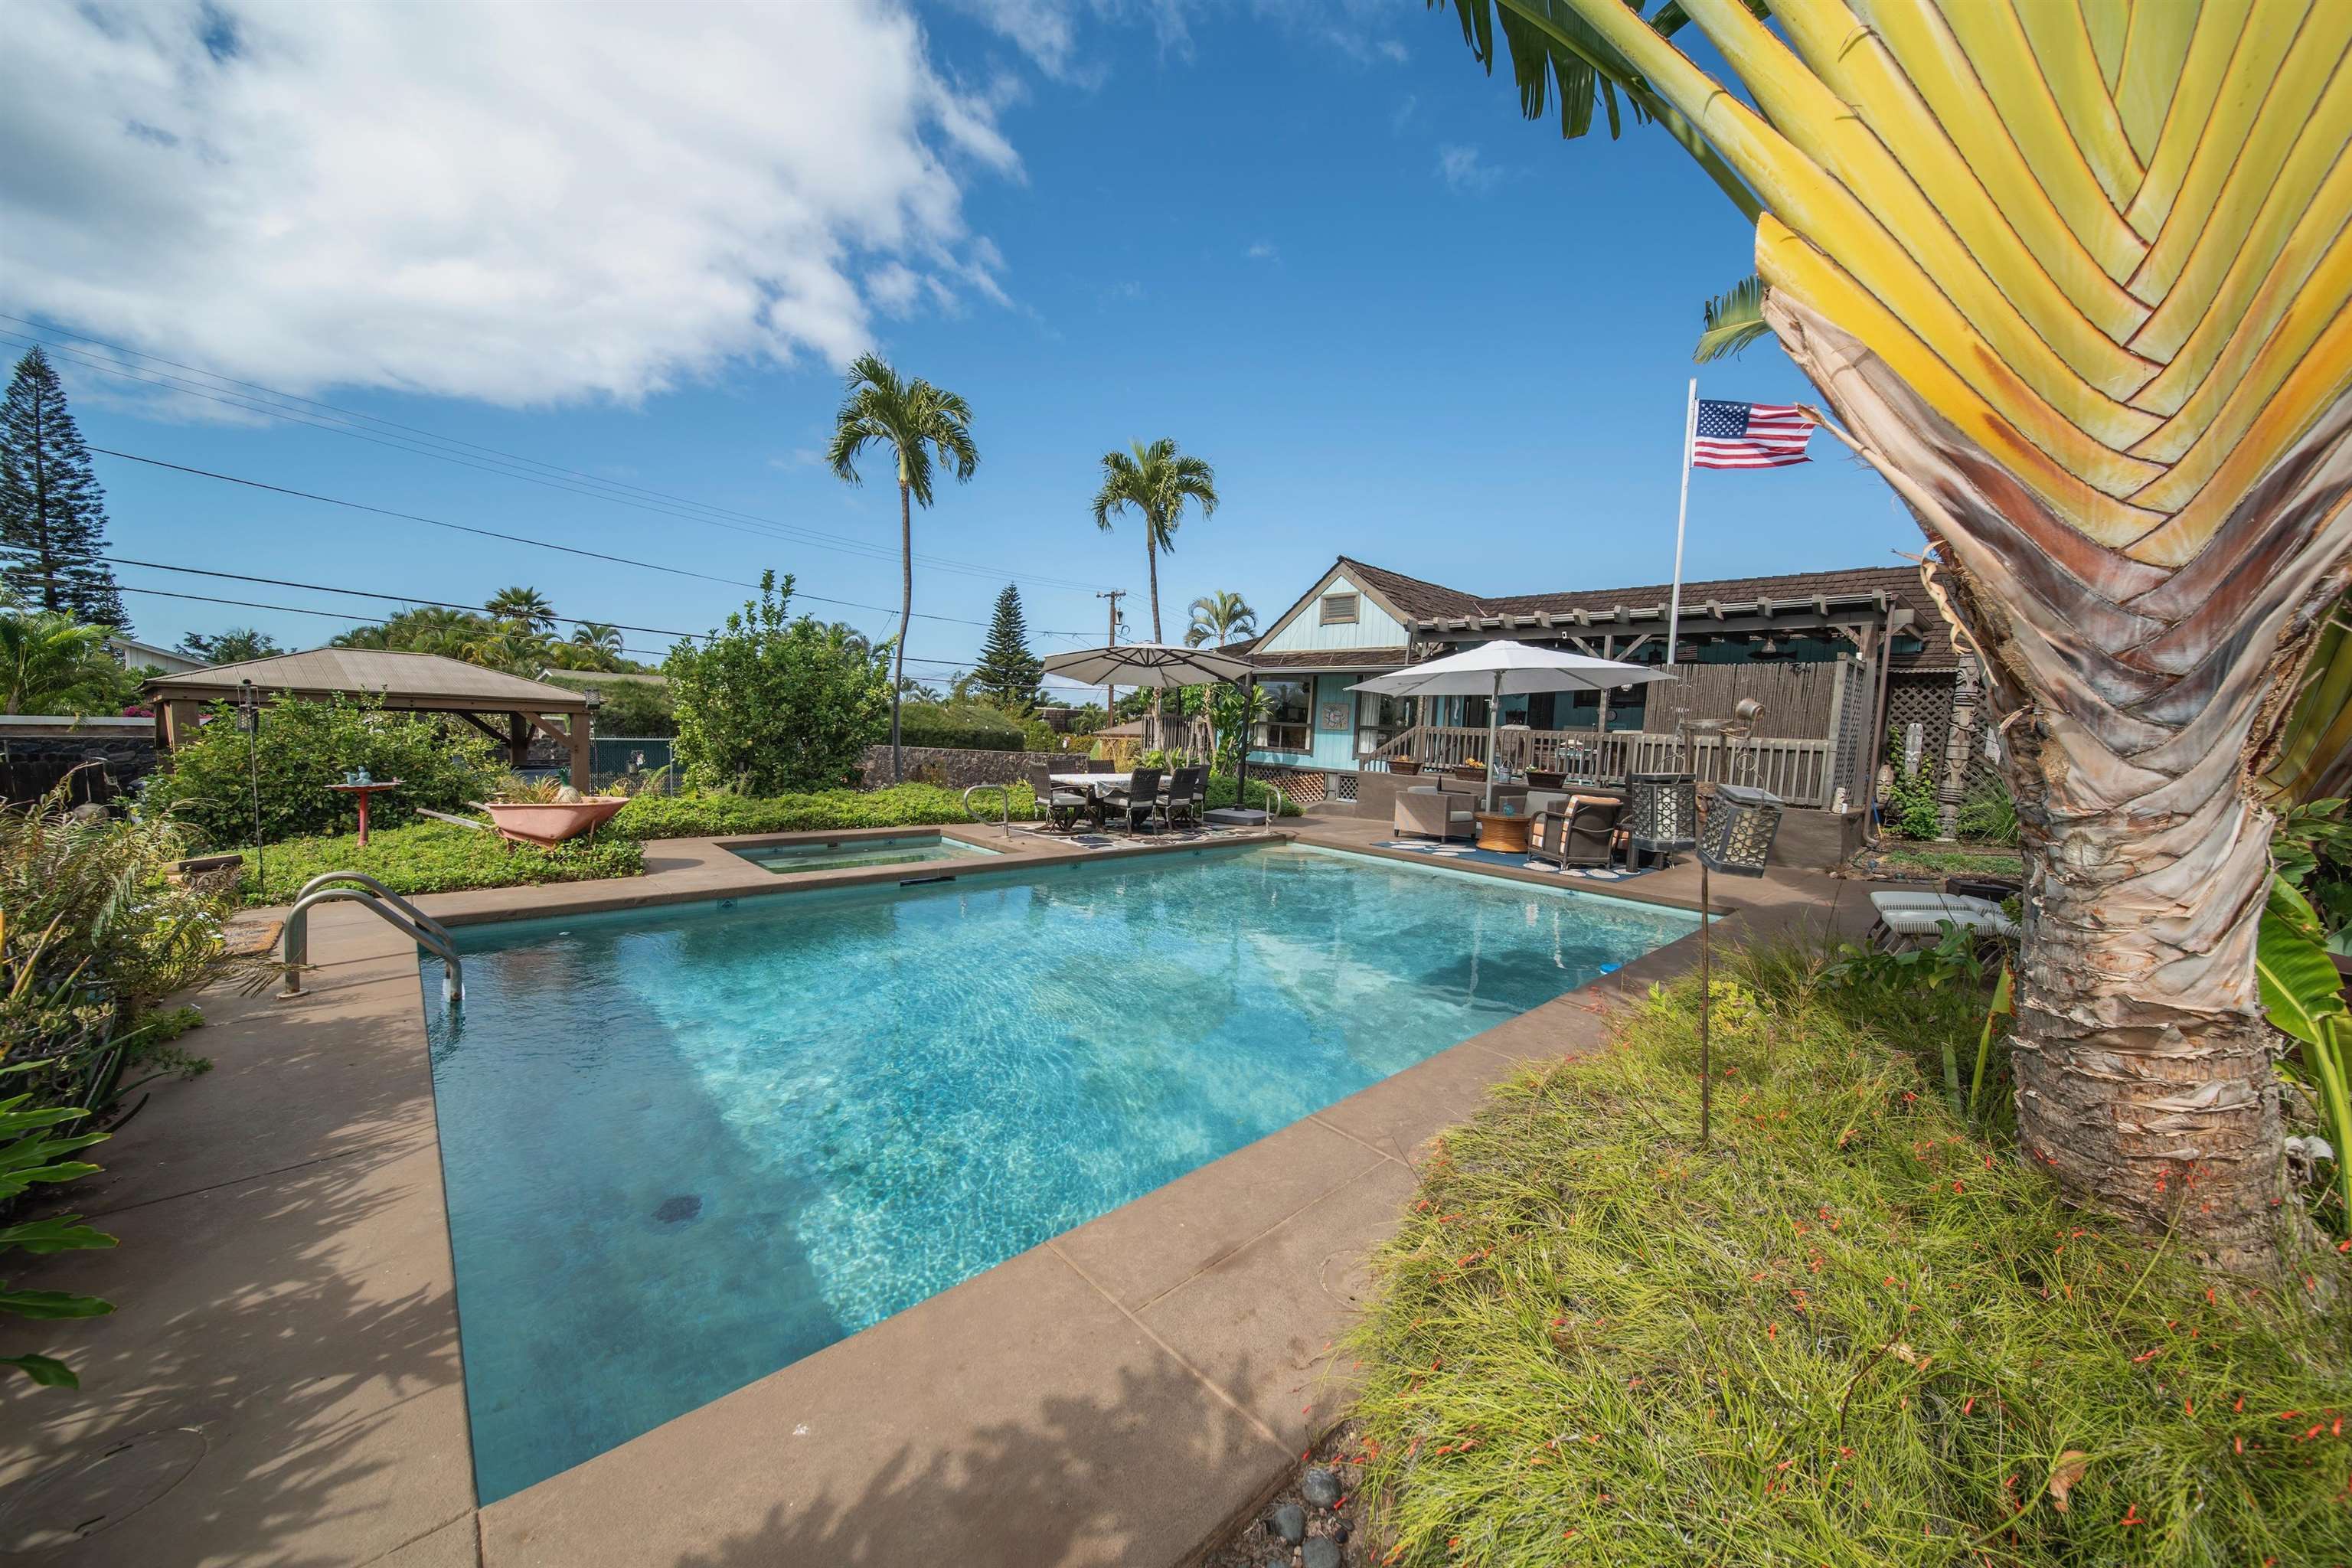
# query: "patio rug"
{"type": "Point", "coordinates": [1436, 851]}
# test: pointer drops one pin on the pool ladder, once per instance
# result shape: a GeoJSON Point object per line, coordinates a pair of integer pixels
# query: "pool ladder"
{"type": "Point", "coordinates": [1004, 797]}
{"type": "Point", "coordinates": [419, 926]}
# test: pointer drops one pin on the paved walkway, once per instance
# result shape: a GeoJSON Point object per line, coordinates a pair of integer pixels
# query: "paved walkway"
{"type": "Point", "coordinates": [281, 1383]}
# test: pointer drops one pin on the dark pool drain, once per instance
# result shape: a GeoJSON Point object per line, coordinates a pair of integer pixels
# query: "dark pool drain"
{"type": "Point", "coordinates": [679, 1209]}
{"type": "Point", "coordinates": [95, 1491]}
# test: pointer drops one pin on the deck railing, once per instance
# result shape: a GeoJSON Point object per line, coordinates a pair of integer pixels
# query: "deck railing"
{"type": "Point", "coordinates": [1797, 771]}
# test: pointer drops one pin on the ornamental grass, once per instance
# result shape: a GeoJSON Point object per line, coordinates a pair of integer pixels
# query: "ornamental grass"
{"type": "Point", "coordinates": [1856, 1329]}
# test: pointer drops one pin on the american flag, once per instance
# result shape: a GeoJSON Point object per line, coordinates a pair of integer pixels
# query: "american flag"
{"type": "Point", "coordinates": [1749, 434]}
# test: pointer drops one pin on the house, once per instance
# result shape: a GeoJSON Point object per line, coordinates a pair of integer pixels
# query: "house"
{"type": "Point", "coordinates": [133, 653]}
{"type": "Point", "coordinates": [1833, 660]}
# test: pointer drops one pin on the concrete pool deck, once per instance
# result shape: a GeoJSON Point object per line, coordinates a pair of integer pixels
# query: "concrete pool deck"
{"type": "Point", "coordinates": [282, 1380]}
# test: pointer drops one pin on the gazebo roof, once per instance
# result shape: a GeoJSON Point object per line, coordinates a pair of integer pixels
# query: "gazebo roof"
{"type": "Point", "coordinates": [397, 680]}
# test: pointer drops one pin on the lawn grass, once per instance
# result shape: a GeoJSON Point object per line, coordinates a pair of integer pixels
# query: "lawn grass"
{"type": "Point", "coordinates": [1855, 1329]}
{"type": "Point", "coordinates": [439, 858]}
{"type": "Point", "coordinates": [1908, 858]}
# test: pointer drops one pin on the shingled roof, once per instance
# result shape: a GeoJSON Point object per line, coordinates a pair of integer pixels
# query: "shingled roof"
{"type": "Point", "coordinates": [1432, 604]}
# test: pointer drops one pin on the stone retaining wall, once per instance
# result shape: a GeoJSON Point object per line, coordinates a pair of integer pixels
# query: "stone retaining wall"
{"type": "Point", "coordinates": [33, 757]}
{"type": "Point", "coordinates": [960, 768]}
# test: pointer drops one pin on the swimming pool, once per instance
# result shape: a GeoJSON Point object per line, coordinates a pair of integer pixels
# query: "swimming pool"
{"type": "Point", "coordinates": [908, 849]}
{"type": "Point", "coordinates": [684, 1147]}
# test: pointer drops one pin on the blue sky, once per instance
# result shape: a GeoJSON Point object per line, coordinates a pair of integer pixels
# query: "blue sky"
{"type": "Point", "coordinates": [1316, 245]}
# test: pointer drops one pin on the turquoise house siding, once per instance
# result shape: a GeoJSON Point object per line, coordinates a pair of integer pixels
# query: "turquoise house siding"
{"type": "Point", "coordinates": [1373, 627]}
{"type": "Point", "coordinates": [1332, 748]}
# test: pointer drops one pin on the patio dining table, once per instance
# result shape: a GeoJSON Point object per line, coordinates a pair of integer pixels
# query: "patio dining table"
{"type": "Point", "coordinates": [1095, 786]}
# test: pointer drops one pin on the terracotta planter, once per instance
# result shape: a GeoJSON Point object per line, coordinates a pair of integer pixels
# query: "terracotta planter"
{"type": "Point", "coordinates": [532, 822]}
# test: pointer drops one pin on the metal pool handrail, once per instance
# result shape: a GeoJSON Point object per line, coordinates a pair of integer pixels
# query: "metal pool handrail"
{"type": "Point", "coordinates": [424, 930]}
{"type": "Point", "coordinates": [417, 916]}
{"type": "Point", "coordinates": [1005, 793]}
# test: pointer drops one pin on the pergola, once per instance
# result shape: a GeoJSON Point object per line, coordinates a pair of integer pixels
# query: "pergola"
{"type": "Point", "coordinates": [406, 682]}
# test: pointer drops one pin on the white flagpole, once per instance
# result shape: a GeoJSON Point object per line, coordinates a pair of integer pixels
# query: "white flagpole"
{"type": "Point", "coordinates": [1675, 607]}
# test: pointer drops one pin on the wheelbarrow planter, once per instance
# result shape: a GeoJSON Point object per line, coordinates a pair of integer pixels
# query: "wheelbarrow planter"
{"type": "Point", "coordinates": [546, 823]}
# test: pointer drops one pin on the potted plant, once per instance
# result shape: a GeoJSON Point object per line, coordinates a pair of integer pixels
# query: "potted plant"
{"type": "Point", "coordinates": [1471, 769]}
{"type": "Point", "coordinates": [1546, 778]}
{"type": "Point", "coordinates": [1408, 766]}
{"type": "Point", "coordinates": [542, 811]}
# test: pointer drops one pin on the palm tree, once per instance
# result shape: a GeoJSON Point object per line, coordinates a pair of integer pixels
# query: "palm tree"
{"type": "Point", "coordinates": [916, 420]}
{"type": "Point", "coordinates": [508, 646]}
{"type": "Point", "coordinates": [1219, 618]}
{"type": "Point", "coordinates": [1156, 481]}
{"type": "Point", "coordinates": [525, 606]}
{"type": "Point", "coordinates": [597, 636]}
{"type": "Point", "coordinates": [2080, 304]}
{"type": "Point", "coordinates": [50, 661]}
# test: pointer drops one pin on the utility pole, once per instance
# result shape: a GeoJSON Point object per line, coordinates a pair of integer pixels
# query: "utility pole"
{"type": "Point", "coordinates": [1110, 693]}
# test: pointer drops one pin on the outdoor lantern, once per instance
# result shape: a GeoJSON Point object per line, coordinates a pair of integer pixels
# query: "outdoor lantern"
{"type": "Point", "coordinates": [1741, 825]}
{"type": "Point", "coordinates": [1665, 809]}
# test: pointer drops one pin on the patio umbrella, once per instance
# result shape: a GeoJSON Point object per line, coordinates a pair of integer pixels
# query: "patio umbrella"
{"type": "Point", "coordinates": [1496, 669]}
{"type": "Point", "coordinates": [1147, 664]}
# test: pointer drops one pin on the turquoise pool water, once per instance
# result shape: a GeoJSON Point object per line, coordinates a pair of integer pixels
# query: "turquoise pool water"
{"type": "Point", "coordinates": [684, 1147]}
{"type": "Point", "coordinates": [913, 850]}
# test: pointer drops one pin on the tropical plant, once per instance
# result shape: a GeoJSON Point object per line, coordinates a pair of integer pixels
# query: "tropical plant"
{"type": "Point", "coordinates": [2304, 997]}
{"type": "Point", "coordinates": [1155, 481]}
{"type": "Point", "coordinates": [1220, 618]}
{"type": "Point", "coordinates": [1987, 815]}
{"type": "Point", "coordinates": [306, 746]}
{"type": "Point", "coordinates": [526, 607]}
{"type": "Point", "coordinates": [773, 702]}
{"type": "Point", "coordinates": [1233, 711]}
{"type": "Point", "coordinates": [599, 635]}
{"type": "Point", "coordinates": [917, 422]}
{"type": "Point", "coordinates": [1911, 807]}
{"type": "Point", "coordinates": [53, 664]}
{"type": "Point", "coordinates": [30, 1153]}
{"type": "Point", "coordinates": [2073, 279]}
{"type": "Point", "coordinates": [236, 646]}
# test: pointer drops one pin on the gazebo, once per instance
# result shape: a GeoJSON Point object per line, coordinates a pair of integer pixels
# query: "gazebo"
{"type": "Point", "coordinates": [404, 682]}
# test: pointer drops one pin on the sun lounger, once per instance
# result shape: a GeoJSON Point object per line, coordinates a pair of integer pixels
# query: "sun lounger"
{"type": "Point", "coordinates": [1907, 918]}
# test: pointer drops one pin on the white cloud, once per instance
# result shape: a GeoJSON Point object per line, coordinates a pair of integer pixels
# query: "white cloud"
{"type": "Point", "coordinates": [1461, 168]}
{"type": "Point", "coordinates": [514, 202]}
{"type": "Point", "coordinates": [1263, 250]}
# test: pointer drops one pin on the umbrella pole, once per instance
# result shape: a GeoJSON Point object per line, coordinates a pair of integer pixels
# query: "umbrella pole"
{"type": "Point", "coordinates": [1492, 704]}
{"type": "Point", "coordinates": [1241, 746]}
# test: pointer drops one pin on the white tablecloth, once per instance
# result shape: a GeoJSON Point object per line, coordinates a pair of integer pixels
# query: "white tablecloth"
{"type": "Point", "coordinates": [1095, 782]}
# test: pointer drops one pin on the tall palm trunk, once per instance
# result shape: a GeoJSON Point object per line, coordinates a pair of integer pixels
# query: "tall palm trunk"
{"type": "Point", "coordinates": [2129, 700]}
{"type": "Point", "coordinates": [1151, 569]}
{"type": "Point", "coordinates": [906, 617]}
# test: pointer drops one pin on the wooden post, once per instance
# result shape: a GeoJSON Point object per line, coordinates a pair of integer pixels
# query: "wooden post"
{"type": "Point", "coordinates": [517, 741]}
{"type": "Point", "coordinates": [583, 766]}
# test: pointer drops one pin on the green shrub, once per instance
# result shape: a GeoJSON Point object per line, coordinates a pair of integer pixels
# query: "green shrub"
{"type": "Point", "coordinates": [1221, 796]}
{"type": "Point", "coordinates": [441, 858]}
{"type": "Point", "coordinates": [1910, 808]}
{"type": "Point", "coordinates": [726, 815]}
{"type": "Point", "coordinates": [306, 746]}
{"type": "Point", "coordinates": [91, 937]}
{"type": "Point", "coordinates": [630, 708]}
{"type": "Point", "coordinates": [969, 726]}
{"type": "Point", "coordinates": [1853, 1330]}
{"type": "Point", "coordinates": [775, 702]}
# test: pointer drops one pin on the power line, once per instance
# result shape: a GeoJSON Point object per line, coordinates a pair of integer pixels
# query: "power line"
{"type": "Point", "coordinates": [507, 464]}
{"type": "Point", "coordinates": [379, 620]}
{"type": "Point", "coordinates": [523, 539]}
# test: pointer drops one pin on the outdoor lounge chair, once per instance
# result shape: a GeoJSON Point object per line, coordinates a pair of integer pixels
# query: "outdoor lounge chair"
{"type": "Point", "coordinates": [1909, 918]}
{"type": "Point", "coordinates": [1579, 831]}
{"type": "Point", "coordinates": [1435, 813]}
{"type": "Point", "coordinates": [1140, 798]}
{"type": "Point", "coordinates": [1186, 793]}
{"type": "Point", "coordinates": [1062, 806]}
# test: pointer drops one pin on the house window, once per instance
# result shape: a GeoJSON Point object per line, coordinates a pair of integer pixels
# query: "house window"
{"type": "Point", "coordinates": [1339, 610]}
{"type": "Point", "coordinates": [1287, 720]}
{"type": "Point", "coordinates": [1378, 721]}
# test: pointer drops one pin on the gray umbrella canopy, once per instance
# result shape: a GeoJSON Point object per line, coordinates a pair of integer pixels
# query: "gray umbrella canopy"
{"type": "Point", "coordinates": [1147, 664]}
{"type": "Point", "coordinates": [1499, 669]}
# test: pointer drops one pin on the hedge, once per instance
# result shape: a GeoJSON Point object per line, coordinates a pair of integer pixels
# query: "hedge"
{"type": "Point", "coordinates": [440, 857]}
{"type": "Point", "coordinates": [721, 815]}
{"type": "Point", "coordinates": [963, 726]}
